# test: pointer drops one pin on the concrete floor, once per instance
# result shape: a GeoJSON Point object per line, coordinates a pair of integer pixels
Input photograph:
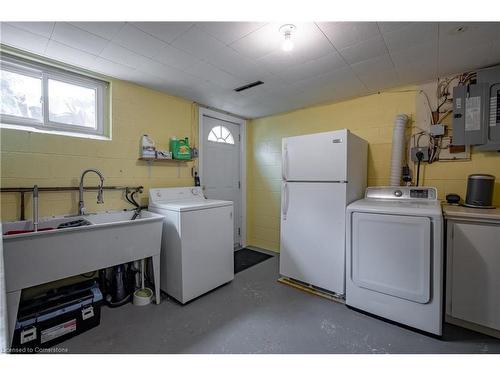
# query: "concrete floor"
{"type": "Point", "coordinates": [256, 314]}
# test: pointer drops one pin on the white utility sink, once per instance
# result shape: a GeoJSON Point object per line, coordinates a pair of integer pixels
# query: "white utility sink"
{"type": "Point", "coordinates": [110, 238]}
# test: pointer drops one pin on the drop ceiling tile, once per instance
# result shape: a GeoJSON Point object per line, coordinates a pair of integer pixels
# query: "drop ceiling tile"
{"type": "Point", "coordinates": [138, 41]}
{"type": "Point", "coordinates": [418, 72]}
{"type": "Point", "coordinates": [158, 69]}
{"type": "Point", "coordinates": [457, 60]}
{"type": "Point", "coordinates": [22, 39]}
{"type": "Point", "coordinates": [260, 42]}
{"type": "Point", "coordinates": [106, 30]}
{"type": "Point", "coordinates": [237, 65]}
{"type": "Point", "coordinates": [122, 55]}
{"type": "Point", "coordinates": [62, 52]}
{"type": "Point", "coordinates": [175, 57]}
{"type": "Point", "coordinates": [78, 38]}
{"type": "Point", "coordinates": [228, 32]}
{"type": "Point", "coordinates": [166, 31]}
{"type": "Point", "coordinates": [475, 33]}
{"type": "Point", "coordinates": [338, 78]}
{"type": "Point", "coordinates": [344, 34]}
{"type": "Point", "coordinates": [387, 27]}
{"type": "Point", "coordinates": [111, 68]}
{"type": "Point", "coordinates": [364, 50]}
{"type": "Point", "coordinates": [313, 68]}
{"type": "Point", "coordinates": [207, 71]}
{"type": "Point", "coordinates": [380, 80]}
{"type": "Point", "coordinates": [40, 28]}
{"type": "Point", "coordinates": [377, 64]}
{"type": "Point", "coordinates": [422, 52]}
{"type": "Point", "coordinates": [197, 42]}
{"type": "Point", "coordinates": [413, 34]}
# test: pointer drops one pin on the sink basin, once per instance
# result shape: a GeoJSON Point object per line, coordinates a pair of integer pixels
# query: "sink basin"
{"type": "Point", "coordinates": [52, 223]}
{"type": "Point", "coordinates": [110, 238]}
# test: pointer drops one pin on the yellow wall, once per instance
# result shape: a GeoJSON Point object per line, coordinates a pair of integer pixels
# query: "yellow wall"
{"type": "Point", "coordinates": [371, 118]}
{"type": "Point", "coordinates": [54, 160]}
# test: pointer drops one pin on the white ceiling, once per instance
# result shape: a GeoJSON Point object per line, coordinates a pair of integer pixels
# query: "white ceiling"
{"type": "Point", "coordinates": [205, 61]}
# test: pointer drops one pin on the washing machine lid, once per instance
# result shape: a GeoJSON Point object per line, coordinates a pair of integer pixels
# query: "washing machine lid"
{"type": "Point", "coordinates": [189, 205]}
{"type": "Point", "coordinates": [188, 198]}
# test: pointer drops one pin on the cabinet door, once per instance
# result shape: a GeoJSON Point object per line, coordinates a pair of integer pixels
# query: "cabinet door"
{"type": "Point", "coordinates": [475, 289]}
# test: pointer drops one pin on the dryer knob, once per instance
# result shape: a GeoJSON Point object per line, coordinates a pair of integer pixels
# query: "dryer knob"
{"type": "Point", "coordinates": [398, 193]}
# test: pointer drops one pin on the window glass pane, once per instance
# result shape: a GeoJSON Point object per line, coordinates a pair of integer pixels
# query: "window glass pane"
{"type": "Point", "coordinates": [21, 96]}
{"type": "Point", "coordinates": [72, 104]}
{"type": "Point", "coordinates": [221, 134]}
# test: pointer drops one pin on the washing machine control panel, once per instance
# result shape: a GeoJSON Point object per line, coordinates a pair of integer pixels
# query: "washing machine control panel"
{"type": "Point", "coordinates": [402, 192]}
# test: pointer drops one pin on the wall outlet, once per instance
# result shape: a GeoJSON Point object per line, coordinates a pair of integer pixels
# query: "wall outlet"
{"type": "Point", "coordinates": [415, 150]}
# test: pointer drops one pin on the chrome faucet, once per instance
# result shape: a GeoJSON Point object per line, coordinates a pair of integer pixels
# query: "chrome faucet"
{"type": "Point", "coordinates": [100, 200]}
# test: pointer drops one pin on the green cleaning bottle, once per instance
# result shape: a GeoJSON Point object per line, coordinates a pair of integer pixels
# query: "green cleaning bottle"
{"type": "Point", "coordinates": [180, 148]}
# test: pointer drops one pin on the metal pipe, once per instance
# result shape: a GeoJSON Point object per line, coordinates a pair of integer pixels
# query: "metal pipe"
{"type": "Point", "coordinates": [66, 188]}
{"type": "Point", "coordinates": [35, 208]}
{"type": "Point", "coordinates": [23, 190]}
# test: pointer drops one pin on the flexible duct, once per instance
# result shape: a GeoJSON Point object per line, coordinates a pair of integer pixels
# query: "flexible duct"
{"type": "Point", "coordinates": [398, 149]}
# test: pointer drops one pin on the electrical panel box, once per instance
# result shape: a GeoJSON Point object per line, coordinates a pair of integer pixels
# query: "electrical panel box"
{"type": "Point", "coordinates": [469, 114]}
{"type": "Point", "coordinates": [476, 111]}
{"type": "Point", "coordinates": [492, 77]}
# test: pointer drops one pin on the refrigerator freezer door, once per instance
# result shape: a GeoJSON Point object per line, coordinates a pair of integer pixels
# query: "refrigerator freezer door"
{"type": "Point", "coordinates": [315, 157]}
{"type": "Point", "coordinates": [312, 233]}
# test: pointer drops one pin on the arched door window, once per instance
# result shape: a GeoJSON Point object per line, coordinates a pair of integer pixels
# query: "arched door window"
{"type": "Point", "coordinates": [220, 134]}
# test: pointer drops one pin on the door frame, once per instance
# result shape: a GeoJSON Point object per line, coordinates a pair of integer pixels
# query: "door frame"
{"type": "Point", "coordinates": [203, 111]}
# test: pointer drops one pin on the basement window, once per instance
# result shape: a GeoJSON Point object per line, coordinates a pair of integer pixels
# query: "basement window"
{"type": "Point", "coordinates": [221, 134]}
{"type": "Point", "coordinates": [48, 99]}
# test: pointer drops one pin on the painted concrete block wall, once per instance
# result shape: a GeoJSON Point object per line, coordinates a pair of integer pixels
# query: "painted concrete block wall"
{"type": "Point", "coordinates": [371, 118]}
{"type": "Point", "coordinates": [53, 160]}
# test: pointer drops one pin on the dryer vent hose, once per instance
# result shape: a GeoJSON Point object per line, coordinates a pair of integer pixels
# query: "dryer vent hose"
{"type": "Point", "coordinates": [398, 149]}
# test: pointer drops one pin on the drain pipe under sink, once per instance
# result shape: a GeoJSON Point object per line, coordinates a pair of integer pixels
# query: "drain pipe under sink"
{"type": "Point", "coordinates": [398, 149]}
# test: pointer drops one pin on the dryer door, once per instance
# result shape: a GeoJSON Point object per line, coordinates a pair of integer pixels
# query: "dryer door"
{"type": "Point", "coordinates": [391, 254]}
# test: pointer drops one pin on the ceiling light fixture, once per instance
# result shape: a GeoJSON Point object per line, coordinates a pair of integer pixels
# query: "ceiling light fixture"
{"type": "Point", "coordinates": [287, 30]}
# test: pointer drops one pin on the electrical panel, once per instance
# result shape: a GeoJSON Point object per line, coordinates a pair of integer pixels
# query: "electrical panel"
{"type": "Point", "coordinates": [469, 114]}
{"type": "Point", "coordinates": [476, 111]}
{"type": "Point", "coordinates": [492, 77]}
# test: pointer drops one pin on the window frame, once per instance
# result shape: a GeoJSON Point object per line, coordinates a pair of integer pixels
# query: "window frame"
{"type": "Point", "coordinates": [45, 72]}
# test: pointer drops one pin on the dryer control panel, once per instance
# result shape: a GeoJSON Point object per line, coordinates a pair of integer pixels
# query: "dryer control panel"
{"type": "Point", "coordinates": [402, 193]}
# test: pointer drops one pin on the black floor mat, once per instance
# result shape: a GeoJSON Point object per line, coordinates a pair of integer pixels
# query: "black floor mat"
{"type": "Point", "coordinates": [246, 258]}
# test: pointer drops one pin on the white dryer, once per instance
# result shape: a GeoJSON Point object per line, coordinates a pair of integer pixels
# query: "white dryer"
{"type": "Point", "coordinates": [394, 256]}
{"type": "Point", "coordinates": [197, 253]}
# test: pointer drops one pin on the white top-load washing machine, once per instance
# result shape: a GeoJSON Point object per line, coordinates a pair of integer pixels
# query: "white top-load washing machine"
{"type": "Point", "coordinates": [197, 253]}
{"type": "Point", "coordinates": [394, 256]}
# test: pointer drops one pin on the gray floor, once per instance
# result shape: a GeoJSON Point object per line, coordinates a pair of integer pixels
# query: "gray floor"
{"type": "Point", "coordinates": [256, 314]}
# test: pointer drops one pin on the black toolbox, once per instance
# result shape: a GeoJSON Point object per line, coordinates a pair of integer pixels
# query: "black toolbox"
{"type": "Point", "coordinates": [51, 318]}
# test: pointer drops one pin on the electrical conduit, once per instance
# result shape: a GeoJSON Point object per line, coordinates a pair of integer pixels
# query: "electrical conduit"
{"type": "Point", "coordinates": [398, 149]}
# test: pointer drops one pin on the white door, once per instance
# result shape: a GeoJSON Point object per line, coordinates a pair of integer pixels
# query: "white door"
{"type": "Point", "coordinates": [313, 233]}
{"type": "Point", "coordinates": [221, 174]}
{"type": "Point", "coordinates": [316, 157]}
{"type": "Point", "coordinates": [391, 254]}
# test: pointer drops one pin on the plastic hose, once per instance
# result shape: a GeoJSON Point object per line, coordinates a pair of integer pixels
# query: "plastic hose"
{"type": "Point", "coordinates": [398, 149]}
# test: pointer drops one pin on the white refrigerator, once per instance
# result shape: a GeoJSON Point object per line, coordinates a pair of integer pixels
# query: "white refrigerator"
{"type": "Point", "coordinates": [321, 174]}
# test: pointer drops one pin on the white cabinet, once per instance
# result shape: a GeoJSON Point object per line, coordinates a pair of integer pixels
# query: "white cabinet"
{"type": "Point", "coordinates": [473, 271]}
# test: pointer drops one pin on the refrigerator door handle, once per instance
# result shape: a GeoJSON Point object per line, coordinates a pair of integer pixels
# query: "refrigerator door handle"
{"type": "Point", "coordinates": [284, 204]}
{"type": "Point", "coordinates": [285, 162]}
